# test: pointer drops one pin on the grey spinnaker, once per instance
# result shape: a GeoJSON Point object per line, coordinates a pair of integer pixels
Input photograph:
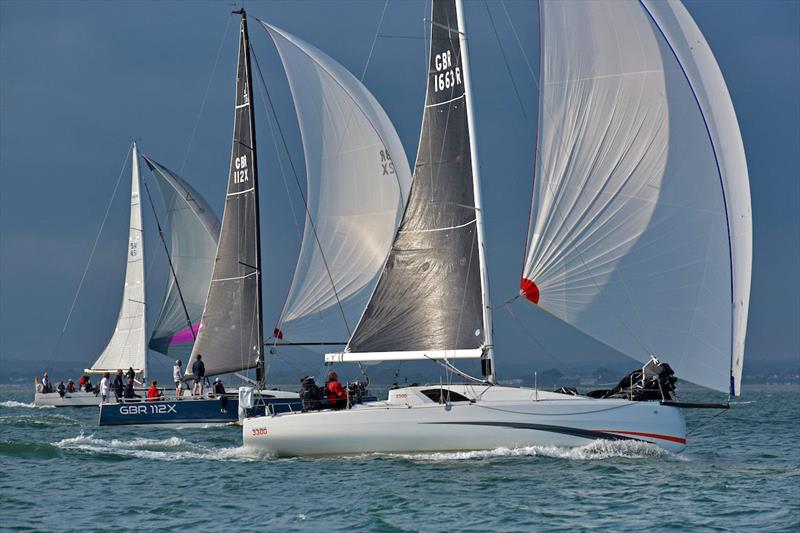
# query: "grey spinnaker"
{"type": "Point", "coordinates": [428, 298]}
{"type": "Point", "coordinates": [194, 233]}
{"type": "Point", "coordinates": [230, 337]}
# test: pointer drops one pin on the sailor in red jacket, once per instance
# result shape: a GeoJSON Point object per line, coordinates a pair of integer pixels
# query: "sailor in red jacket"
{"type": "Point", "coordinates": [152, 393]}
{"type": "Point", "coordinates": [337, 396]}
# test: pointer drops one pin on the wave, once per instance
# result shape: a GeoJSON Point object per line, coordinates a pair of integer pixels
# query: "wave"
{"type": "Point", "coordinates": [171, 449]}
{"type": "Point", "coordinates": [31, 450]}
{"type": "Point", "coordinates": [14, 404]}
{"type": "Point", "coordinates": [599, 449]}
{"type": "Point", "coordinates": [38, 421]}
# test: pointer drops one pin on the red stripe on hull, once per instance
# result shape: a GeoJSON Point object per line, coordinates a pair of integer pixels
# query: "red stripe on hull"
{"type": "Point", "coordinates": [679, 440]}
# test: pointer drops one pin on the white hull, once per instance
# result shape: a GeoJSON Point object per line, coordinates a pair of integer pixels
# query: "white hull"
{"type": "Point", "coordinates": [70, 399]}
{"type": "Point", "coordinates": [410, 421]}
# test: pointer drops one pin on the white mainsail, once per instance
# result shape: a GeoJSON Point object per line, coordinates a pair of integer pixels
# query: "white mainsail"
{"type": "Point", "coordinates": [128, 344]}
{"type": "Point", "coordinates": [358, 182]}
{"type": "Point", "coordinates": [640, 233]}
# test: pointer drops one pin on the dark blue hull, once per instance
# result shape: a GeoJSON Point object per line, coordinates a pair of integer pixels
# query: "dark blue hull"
{"type": "Point", "coordinates": [189, 411]}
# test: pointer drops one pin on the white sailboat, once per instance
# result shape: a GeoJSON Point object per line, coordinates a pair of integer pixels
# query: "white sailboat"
{"type": "Point", "coordinates": [127, 347]}
{"type": "Point", "coordinates": [195, 230]}
{"type": "Point", "coordinates": [640, 236]}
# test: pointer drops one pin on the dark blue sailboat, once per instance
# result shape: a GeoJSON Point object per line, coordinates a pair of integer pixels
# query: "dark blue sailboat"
{"type": "Point", "coordinates": [229, 335]}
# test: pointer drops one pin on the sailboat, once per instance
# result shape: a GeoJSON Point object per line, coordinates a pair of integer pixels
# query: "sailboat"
{"type": "Point", "coordinates": [358, 180]}
{"type": "Point", "coordinates": [640, 236]}
{"type": "Point", "coordinates": [127, 347]}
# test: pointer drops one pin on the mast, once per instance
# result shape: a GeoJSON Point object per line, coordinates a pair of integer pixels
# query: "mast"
{"type": "Point", "coordinates": [487, 360]}
{"type": "Point", "coordinates": [231, 336]}
{"type": "Point", "coordinates": [136, 214]}
{"type": "Point", "coordinates": [245, 43]}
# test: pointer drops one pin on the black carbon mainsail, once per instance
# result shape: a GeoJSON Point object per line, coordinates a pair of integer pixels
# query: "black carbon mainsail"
{"type": "Point", "coordinates": [429, 299]}
{"type": "Point", "coordinates": [231, 336]}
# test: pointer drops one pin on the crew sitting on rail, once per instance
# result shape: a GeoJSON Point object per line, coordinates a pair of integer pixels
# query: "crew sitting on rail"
{"type": "Point", "coordinates": [153, 393]}
{"type": "Point", "coordinates": [219, 391]}
{"type": "Point", "coordinates": [70, 385]}
{"type": "Point", "coordinates": [337, 396]}
{"type": "Point", "coordinates": [129, 393]}
{"type": "Point", "coordinates": [310, 394]}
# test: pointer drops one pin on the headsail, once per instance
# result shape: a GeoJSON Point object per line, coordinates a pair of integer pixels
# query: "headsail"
{"type": "Point", "coordinates": [358, 182]}
{"type": "Point", "coordinates": [230, 337]}
{"type": "Point", "coordinates": [194, 230]}
{"type": "Point", "coordinates": [429, 301]}
{"type": "Point", "coordinates": [640, 233]}
{"type": "Point", "coordinates": [128, 347]}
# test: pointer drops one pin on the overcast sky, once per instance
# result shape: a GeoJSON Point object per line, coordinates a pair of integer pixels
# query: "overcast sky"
{"type": "Point", "coordinates": [79, 80]}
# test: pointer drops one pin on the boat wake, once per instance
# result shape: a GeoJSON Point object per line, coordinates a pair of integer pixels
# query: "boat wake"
{"type": "Point", "coordinates": [13, 404]}
{"type": "Point", "coordinates": [599, 449]}
{"type": "Point", "coordinates": [171, 449]}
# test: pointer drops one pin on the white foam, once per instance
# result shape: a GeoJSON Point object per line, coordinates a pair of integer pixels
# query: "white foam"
{"type": "Point", "coordinates": [12, 403]}
{"type": "Point", "coordinates": [171, 449]}
{"type": "Point", "coordinates": [599, 449]}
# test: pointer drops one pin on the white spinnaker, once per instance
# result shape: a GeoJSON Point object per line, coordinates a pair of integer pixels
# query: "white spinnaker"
{"type": "Point", "coordinates": [128, 344]}
{"type": "Point", "coordinates": [640, 174]}
{"type": "Point", "coordinates": [358, 182]}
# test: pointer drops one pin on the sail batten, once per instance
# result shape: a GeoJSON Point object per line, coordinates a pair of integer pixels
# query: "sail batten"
{"type": "Point", "coordinates": [194, 230]}
{"type": "Point", "coordinates": [632, 236]}
{"type": "Point", "coordinates": [230, 336]}
{"type": "Point", "coordinates": [357, 185]}
{"type": "Point", "coordinates": [127, 346]}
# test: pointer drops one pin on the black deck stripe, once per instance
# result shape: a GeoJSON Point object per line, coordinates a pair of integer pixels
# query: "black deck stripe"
{"type": "Point", "coordinates": [576, 432]}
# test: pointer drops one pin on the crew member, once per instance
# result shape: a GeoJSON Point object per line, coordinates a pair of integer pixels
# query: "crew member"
{"type": "Point", "coordinates": [177, 377]}
{"type": "Point", "coordinates": [70, 385]}
{"type": "Point", "coordinates": [105, 387]}
{"type": "Point", "coordinates": [337, 396]}
{"type": "Point", "coordinates": [129, 393]}
{"type": "Point", "coordinates": [199, 373]}
{"type": "Point", "coordinates": [219, 391]}
{"type": "Point", "coordinates": [118, 385]}
{"type": "Point", "coordinates": [152, 393]}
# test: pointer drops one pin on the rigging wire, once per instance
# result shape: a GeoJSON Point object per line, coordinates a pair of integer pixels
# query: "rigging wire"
{"type": "Point", "coordinates": [519, 43]}
{"type": "Point", "coordinates": [91, 254]}
{"type": "Point", "coordinates": [505, 59]}
{"type": "Point", "coordinates": [169, 260]}
{"type": "Point", "coordinates": [205, 96]}
{"type": "Point", "coordinates": [300, 189]}
{"type": "Point", "coordinates": [374, 40]}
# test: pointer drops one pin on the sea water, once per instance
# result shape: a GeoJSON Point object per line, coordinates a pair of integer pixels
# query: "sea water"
{"type": "Point", "coordinates": [60, 472]}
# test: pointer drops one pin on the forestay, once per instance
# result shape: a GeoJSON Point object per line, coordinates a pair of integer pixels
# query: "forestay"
{"type": "Point", "coordinates": [194, 231]}
{"type": "Point", "coordinates": [428, 300]}
{"type": "Point", "coordinates": [127, 347]}
{"type": "Point", "coordinates": [230, 336]}
{"type": "Point", "coordinates": [640, 232]}
{"type": "Point", "coordinates": [357, 184]}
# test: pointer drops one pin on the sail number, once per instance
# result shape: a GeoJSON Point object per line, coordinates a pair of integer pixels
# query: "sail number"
{"type": "Point", "coordinates": [386, 162]}
{"type": "Point", "coordinates": [446, 75]}
{"type": "Point", "coordinates": [240, 172]}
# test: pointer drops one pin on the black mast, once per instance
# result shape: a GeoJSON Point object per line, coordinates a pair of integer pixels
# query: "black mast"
{"type": "Point", "coordinates": [244, 53]}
